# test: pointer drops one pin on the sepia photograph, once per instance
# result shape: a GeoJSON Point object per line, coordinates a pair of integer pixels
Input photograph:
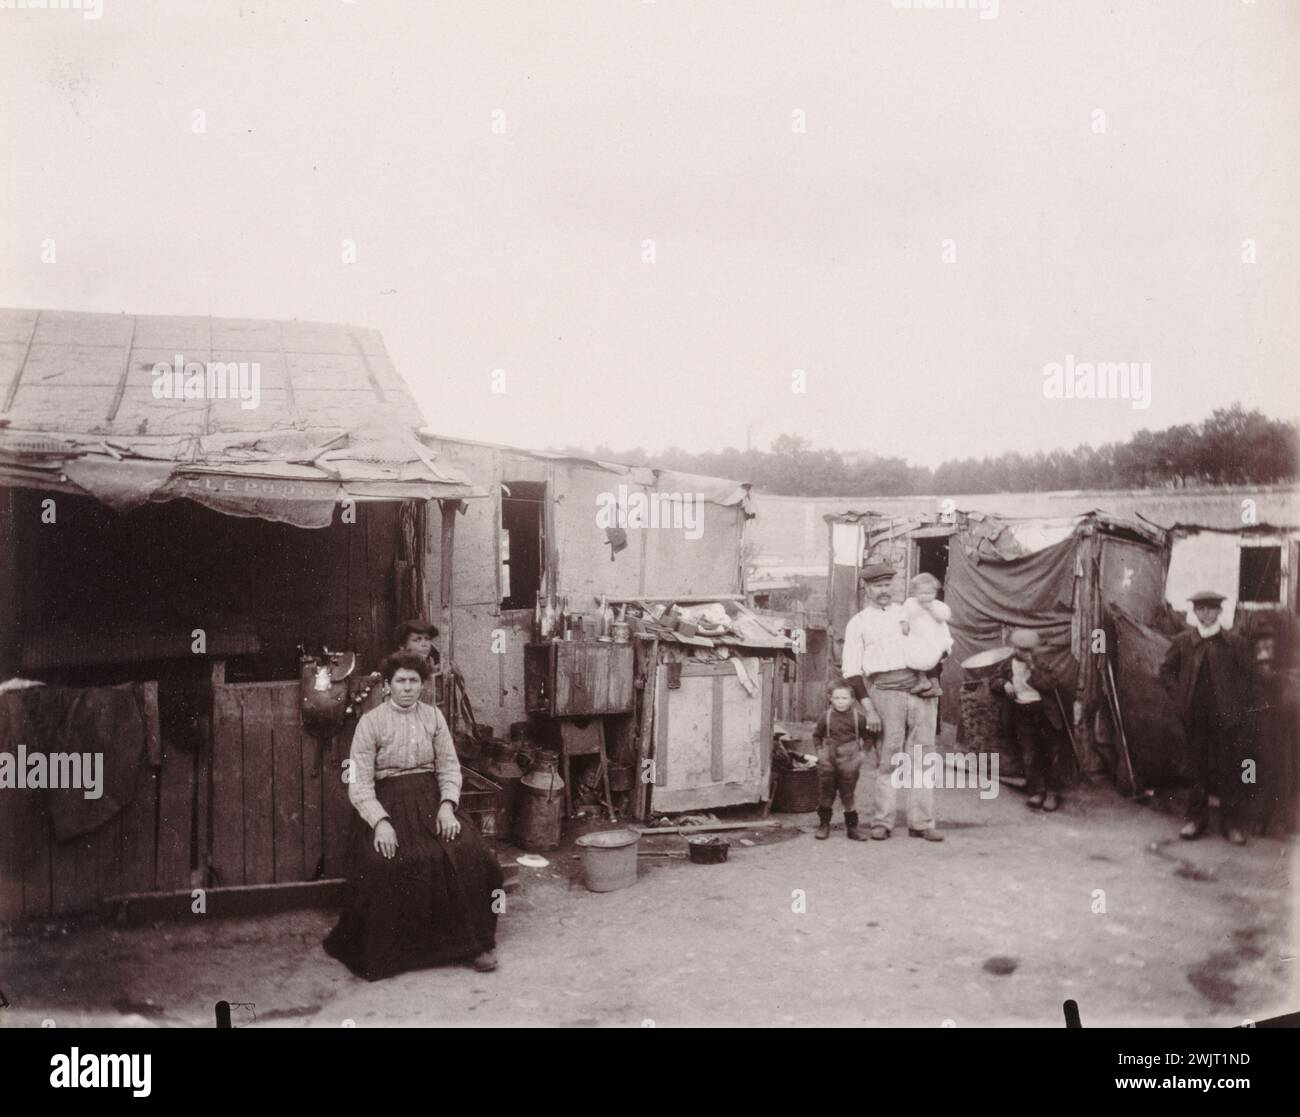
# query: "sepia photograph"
{"type": "Point", "coordinates": [541, 514]}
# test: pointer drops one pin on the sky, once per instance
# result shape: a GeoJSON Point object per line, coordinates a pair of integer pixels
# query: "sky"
{"type": "Point", "coordinates": [872, 226]}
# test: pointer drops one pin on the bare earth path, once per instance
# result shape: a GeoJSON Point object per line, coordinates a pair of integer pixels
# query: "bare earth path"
{"type": "Point", "coordinates": [900, 932]}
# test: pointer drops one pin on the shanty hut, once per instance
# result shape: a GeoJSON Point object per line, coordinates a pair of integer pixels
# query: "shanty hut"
{"type": "Point", "coordinates": [583, 532]}
{"type": "Point", "coordinates": [1063, 576]}
{"type": "Point", "coordinates": [579, 530]}
{"type": "Point", "coordinates": [1253, 565]}
{"type": "Point", "coordinates": [184, 504]}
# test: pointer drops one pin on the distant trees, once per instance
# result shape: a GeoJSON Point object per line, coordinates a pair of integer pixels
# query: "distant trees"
{"type": "Point", "coordinates": [1232, 447]}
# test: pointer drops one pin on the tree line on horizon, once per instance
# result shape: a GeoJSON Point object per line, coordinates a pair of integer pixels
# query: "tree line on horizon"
{"type": "Point", "coordinates": [1231, 447]}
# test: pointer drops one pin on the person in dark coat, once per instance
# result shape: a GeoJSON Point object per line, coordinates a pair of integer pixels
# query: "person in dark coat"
{"type": "Point", "coordinates": [1205, 672]}
{"type": "Point", "coordinates": [1036, 723]}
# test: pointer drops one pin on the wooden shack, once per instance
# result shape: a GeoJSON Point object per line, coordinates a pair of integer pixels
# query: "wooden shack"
{"type": "Point", "coordinates": [544, 527]}
{"type": "Point", "coordinates": [1255, 566]}
{"type": "Point", "coordinates": [185, 548]}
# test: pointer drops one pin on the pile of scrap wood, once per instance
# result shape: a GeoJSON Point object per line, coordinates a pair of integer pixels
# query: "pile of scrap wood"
{"type": "Point", "coordinates": [700, 621]}
{"type": "Point", "coordinates": [698, 627]}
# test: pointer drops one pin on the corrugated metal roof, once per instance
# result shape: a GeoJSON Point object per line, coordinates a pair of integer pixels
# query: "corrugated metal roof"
{"type": "Point", "coordinates": [136, 407]}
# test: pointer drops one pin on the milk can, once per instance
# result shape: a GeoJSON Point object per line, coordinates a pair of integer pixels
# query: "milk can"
{"type": "Point", "coordinates": [540, 805]}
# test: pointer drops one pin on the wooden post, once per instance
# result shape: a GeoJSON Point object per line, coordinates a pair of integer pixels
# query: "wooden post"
{"type": "Point", "coordinates": [10, 640]}
{"type": "Point", "coordinates": [640, 788]}
{"type": "Point", "coordinates": [419, 549]}
{"type": "Point", "coordinates": [742, 578]}
{"type": "Point", "coordinates": [1086, 614]}
{"type": "Point", "coordinates": [552, 550]}
{"type": "Point", "coordinates": [447, 545]}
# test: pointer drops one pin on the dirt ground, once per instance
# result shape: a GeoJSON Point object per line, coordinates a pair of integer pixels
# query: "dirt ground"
{"type": "Point", "coordinates": [994, 926]}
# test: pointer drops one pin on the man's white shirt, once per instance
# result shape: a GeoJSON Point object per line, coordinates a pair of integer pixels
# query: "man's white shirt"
{"type": "Point", "coordinates": [874, 642]}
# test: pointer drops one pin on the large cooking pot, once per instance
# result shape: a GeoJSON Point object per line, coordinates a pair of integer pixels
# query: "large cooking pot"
{"type": "Point", "coordinates": [984, 665]}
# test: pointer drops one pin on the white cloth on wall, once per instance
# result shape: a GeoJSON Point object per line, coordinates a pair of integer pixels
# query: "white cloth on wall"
{"type": "Point", "coordinates": [846, 544]}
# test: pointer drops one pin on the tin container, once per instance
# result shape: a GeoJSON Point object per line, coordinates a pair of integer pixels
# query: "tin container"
{"type": "Point", "coordinates": [708, 851]}
{"type": "Point", "coordinates": [984, 665]}
{"type": "Point", "coordinates": [609, 859]}
{"type": "Point", "coordinates": [539, 806]}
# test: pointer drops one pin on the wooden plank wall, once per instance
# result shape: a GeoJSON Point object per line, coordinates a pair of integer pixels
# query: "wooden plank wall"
{"type": "Point", "coordinates": [272, 795]}
{"type": "Point", "coordinates": [15, 729]}
{"type": "Point", "coordinates": [336, 811]}
{"type": "Point", "coordinates": [41, 877]}
{"type": "Point", "coordinates": [276, 791]}
{"type": "Point", "coordinates": [265, 803]}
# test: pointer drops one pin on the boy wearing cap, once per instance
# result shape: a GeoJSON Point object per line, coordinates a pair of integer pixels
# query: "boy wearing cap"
{"type": "Point", "coordinates": [1036, 723]}
{"type": "Point", "coordinates": [416, 637]}
{"type": "Point", "coordinates": [1205, 672]}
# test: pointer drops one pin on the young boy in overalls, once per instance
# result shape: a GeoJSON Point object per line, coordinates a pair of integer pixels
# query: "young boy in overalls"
{"type": "Point", "coordinates": [841, 737]}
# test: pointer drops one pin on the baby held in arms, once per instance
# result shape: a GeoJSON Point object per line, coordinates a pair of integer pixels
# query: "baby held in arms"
{"type": "Point", "coordinates": [928, 640]}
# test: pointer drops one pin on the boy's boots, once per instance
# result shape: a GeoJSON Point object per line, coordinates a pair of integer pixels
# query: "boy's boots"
{"type": "Point", "coordinates": [851, 827]}
{"type": "Point", "coordinates": [824, 823]}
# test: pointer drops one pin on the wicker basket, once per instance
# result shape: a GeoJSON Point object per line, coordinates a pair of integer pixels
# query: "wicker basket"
{"type": "Point", "coordinates": [985, 730]}
{"type": "Point", "coordinates": [796, 792]}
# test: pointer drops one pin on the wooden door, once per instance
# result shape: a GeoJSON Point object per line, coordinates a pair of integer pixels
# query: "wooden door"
{"type": "Point", "coordinates": [279, 811]}
{"type": "Point", "coordinates": [713, 739]}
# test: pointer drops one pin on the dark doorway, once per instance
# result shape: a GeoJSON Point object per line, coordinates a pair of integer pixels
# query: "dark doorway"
{"type": "Point", "coordinates": [932, 558]}
{"type": "Point", "coordinates": [522, 533]}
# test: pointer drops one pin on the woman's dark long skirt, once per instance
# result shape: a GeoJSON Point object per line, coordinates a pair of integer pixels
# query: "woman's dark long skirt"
{"type": "Point", "coordinates": [432, 903]}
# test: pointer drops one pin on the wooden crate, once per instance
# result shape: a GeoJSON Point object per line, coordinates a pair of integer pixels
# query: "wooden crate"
{"type": "Point", "coordinates": [713, 739]}
{"type": "Point", "coordinates": [578, 678]}
{"type": "Point", "coordinates": [479, 799]}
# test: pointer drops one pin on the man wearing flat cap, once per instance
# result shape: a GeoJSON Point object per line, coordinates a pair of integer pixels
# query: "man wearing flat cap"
{"type": "Point", "coordinates": [1206, 673]}
{"type": "Point", "coordinates": [875, 665]}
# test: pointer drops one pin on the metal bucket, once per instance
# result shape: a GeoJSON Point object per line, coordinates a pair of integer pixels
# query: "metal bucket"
{"type": "Point", "coordinates": [609, 859]}
{"type": "Point", "coordinates": [984, 665]}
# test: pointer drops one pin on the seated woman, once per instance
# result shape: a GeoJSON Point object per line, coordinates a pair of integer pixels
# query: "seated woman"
{"type": "Point", "coordinates": [424, 886]}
